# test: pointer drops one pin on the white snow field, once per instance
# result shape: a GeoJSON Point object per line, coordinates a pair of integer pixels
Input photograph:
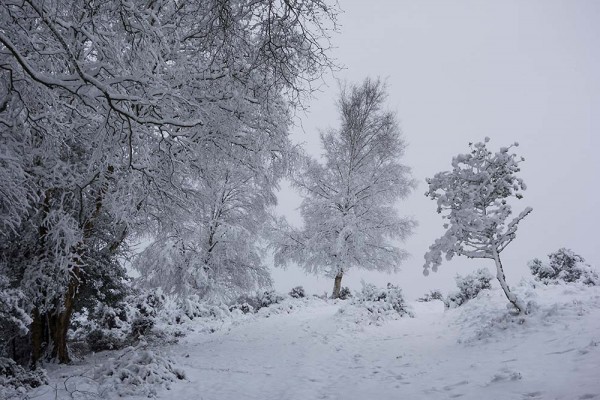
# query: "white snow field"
{"type": "Point", "coordinates": [477, 351]}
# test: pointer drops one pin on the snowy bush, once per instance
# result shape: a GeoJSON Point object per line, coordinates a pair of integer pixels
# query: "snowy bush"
{"type": "Point", "coordinates": [564, 266]}
{"type": "Point", "coordinates": [345, 293]}
{"type": "Point", "coordinates": [269, 297]}
{"type": "Point", "coordinates": [16, 380]}
{"type": "Point", "coordinates": [469, 287]}
{"type": "Point", "coordinates": [251, 304]}
{"type": "Point", "coordinates": [382, 302]}
{"type": "Point", "coordinates": [297, 292]}
{"type": "Point", "coordinates": [194, 307]}
{"type": "Point", "coordinates": [102, 340]}
{"type": "Point", "coordinates": [148, 314]}
{"type": "Point", "coordinates": [141, 326]}
{"type": "Point", "coordinates": [14, 320]}
{"type": "Point", "coordinates": [431, 296]}
{"type": "Point", "coordinates": [105, 327]}
{"type": "Point", "coordinates": [137, 371]}
{"type": "Point", "coordinates": [244, 308]}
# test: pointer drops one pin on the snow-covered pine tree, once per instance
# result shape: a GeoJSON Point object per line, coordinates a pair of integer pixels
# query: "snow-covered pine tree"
{"type": "Point", "coordinates": [473, 199]}
{"type": "Point", "coordinates": [349, 206]}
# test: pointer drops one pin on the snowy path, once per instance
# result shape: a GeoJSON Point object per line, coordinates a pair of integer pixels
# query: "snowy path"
{"type": "Point", "coordinates": [313, 354]}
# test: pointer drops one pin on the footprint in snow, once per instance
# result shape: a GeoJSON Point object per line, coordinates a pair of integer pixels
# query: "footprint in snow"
{"type": "Point", "coordinates": [532, 395]}
{"type": "Point", "coordinates": [506, 375]}
{"type": "Point", "coordinates": [454, 385]}
{"type": "Point", "coordinates": [588, 396]}
{"type": "Point", "coordinates": [593, 345]}
{"type": "Point", "coordinates": [560, 352]}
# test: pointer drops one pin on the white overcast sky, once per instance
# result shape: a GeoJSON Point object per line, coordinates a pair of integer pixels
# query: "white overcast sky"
{"type": "Point", "coordinates": [526, 71]}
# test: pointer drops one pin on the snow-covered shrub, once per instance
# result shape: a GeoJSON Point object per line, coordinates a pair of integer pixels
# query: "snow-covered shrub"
{"type": "Point", "coordinates": [146, 313]}
{"type": "Point", "coordinates": [137, 371]}
{"type": "Point", "coordinates": [246, 303]}
{"type": "Point", "coordinates": [244, 308]}
{"type": "Point", "coordinates": [297, 292]}
{"type": "Point", "coordinates": [14, 320]}
{"type": "Point", "coordinates": [564, 266]}
{"type": "Point", "coordinates": [251, 304]}
{"type": "Point", "coordinates": [269, 297]}
{"type": "Point", "coordinates": [431, 296]}
{"type": "Point", "coordinates": [469, 287]}
{"type": "Point", "coordinates": [106, 327]}
{"type": "Point", "coordinates": [382, 301]}
{"type": "Point", "coordinates": [141, 326]}
{"type": "Point", "coordinates": [149, 302]}
{"type": "Point", "coordinates": [194, 307]}
{"type": "Point", "coordinates": [104, 339]}
{"type": "Point", "coordinates": [345, 293]}
{"type": "Point", "coordinates": [16, 380]}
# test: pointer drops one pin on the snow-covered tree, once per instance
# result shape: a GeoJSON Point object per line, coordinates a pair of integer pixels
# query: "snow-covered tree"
{"type": "Point", "coordinates": [473, 198]}
{"type": "Point", "coordinates": [106, 108]}
{"type": "Point", "coordinates": [211, 248]}
{"type": "Point", "coordinates": [349, 206]}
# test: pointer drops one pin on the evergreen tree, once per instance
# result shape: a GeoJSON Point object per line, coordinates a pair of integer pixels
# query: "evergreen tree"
{"type": "Point", "coordinates": [473, 198]}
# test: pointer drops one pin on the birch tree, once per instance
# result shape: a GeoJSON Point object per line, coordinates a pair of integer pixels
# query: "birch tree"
{"type": "Point", "coordinates": [473, 198]}
{"type": "Point", "coordinates": [349, 206]}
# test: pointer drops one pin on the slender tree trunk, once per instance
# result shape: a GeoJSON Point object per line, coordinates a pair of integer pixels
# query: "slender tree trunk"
{"type": "Point", "coordinates": [502, 279]}
{"type": "Point", "coordinates": [337, 285]}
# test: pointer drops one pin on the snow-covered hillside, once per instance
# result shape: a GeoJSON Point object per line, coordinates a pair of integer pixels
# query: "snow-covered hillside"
{"type": "Point", "coordinates": [308, 349]}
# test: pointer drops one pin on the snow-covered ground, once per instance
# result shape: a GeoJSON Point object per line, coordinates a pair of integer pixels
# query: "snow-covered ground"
{"type": "Point", "coordinates": [477, 351]}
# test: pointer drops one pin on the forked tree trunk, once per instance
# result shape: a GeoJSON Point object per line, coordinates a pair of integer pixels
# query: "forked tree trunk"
{"type": "Point", "coordinates": [49, 330]}
{"type": "Point", "coordinates": [337, 285]}
{"type": "Point", "coordinates": [60, 322]}
{"type": "Point", "coordinates": [502, 280]}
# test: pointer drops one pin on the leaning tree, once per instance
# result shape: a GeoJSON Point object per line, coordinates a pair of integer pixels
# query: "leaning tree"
{"type": "Point", "coordinates": [349, 206]}
{"type": "Point", "coordinates": [473, 198]}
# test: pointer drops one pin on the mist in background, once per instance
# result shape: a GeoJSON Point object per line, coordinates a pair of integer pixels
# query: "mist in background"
{"type": "Point", "coordinates": [459, 71]}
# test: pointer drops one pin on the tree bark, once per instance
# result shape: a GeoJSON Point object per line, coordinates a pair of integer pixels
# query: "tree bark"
{"type": "Point", "coordinates": [49, 330]}
{"type": "Point", "coordinates": [39, 336]}
{"type": "Point", "coordinates": [60, 322]}
{"type": "Point", "coordinates": [337, 285]}
{"type": "Point", "coordinates": [502, 280]}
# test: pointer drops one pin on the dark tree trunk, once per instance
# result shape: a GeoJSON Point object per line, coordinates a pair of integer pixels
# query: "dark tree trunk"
{"type": "Point", "coordinates": [39, 336]}
{"type": "Point", "coordinates": [60, 322]}
{"type": "Point", "coordinates": [337, 285]}
{"type": "Point", "coordinates": [49, 330]}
